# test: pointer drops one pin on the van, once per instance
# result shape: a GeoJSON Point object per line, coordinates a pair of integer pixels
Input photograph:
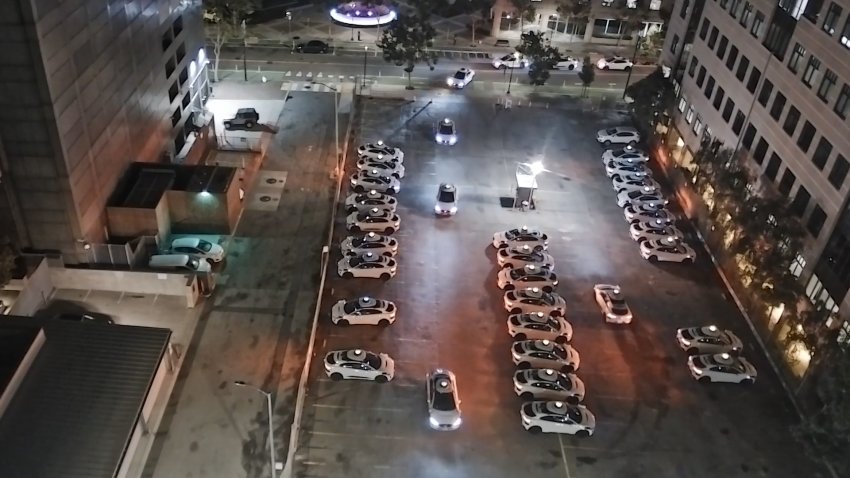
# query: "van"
{"type": "Point", "coordinates": [179, 261]}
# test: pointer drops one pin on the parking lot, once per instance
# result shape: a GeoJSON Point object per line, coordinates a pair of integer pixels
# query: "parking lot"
{"type": "Point", "coordinates": [653, 419]}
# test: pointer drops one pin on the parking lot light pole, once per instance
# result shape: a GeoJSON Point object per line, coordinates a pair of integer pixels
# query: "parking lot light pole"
{"type": "Point", "coordinates": [365, 56]}
{"type": "Point", "coordinates": [268, 395]}
{"type": "Point", "coordinates": [292, 40]}
{"type": "Point", "coordinates": [245, 49]}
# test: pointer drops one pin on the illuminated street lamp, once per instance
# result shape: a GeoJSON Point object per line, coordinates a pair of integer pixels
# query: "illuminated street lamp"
{"type": "Point", "coordinates": [292, 40]}
{"type": "Point", "coordinates": [268, 395]}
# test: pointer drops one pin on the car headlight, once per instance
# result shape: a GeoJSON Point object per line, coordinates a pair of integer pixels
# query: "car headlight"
{"type": "Point", "coordinates": [526, 420]}
{"type": "Point", "coordinates": [397, 224]}
{"type": "Point", "coordinates": [686, 342]}
{"type": "Point", "coordinates": [611, 316]}
{"type": "Point", "coordinates": [353, 182]}
{"type": "Point", "coordinates": [452, 140]}
{"type": "Point", "coordinates": [509, 303]}
{"type": "Point", "coordinates": [453, 209]}
{"type": "Point", "coordinates": [697, 371]}
{"type": "Point", "coordinates": [396, 188]}
{"type": "Point", "coordinates": [457, 422]}
{"type": "Point", "coordinates": [450, 82]}
{"type": "Point", "coordinates": [433, 421]}
{"type": "Point", "coordinates": [392, 269]}
{"type": "Point", "coordinates": [437, 209]}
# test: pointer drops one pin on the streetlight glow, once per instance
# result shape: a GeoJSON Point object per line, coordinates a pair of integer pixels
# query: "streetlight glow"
{"type": "Point", "coordinates": [536, 167]}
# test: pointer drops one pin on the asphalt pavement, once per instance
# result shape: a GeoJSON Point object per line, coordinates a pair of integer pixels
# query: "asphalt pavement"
{"type": "Point", "coordinates": [653, 419]}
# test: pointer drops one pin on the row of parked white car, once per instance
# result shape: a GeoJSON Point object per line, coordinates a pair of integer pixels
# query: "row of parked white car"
{"type": "Point", "coordinates": [644, 205]}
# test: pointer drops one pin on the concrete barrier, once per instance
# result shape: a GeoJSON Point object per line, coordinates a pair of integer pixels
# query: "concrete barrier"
{"type": "Point", "coordinates": [123, 281]}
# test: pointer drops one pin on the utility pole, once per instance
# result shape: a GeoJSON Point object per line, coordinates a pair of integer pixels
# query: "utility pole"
{"type": "Point", "coordinates": [245, 50]}
{"type": "Point", "coordinates": [268, 395]}
{"type": "Point", "coordinates": [292, 40]}
{"type": "Point", "coordinates": [634, 58]}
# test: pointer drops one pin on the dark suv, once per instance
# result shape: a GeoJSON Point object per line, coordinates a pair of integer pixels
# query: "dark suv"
{"type": "Point", "coordinates": [245, 118]}
{"type": "Point", "coordinates": [313, 46]}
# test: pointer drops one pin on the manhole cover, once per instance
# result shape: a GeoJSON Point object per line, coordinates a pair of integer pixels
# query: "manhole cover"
{"type": "Point", "coordinates": [265, 198]}
{"type": "Point", "coordinates": [271, 180]}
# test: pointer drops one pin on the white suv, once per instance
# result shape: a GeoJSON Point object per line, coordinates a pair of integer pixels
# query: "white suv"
{"type": "Point", "coordinates": [618, 135]}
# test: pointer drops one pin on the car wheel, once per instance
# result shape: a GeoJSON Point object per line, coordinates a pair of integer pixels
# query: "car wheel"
{"type": "Point", "coordinates": [526, 395]}
{"type": "Point", "coordinates": [704, 380]}
{"type": "Point", "coordinates": [653, 258]}
{"type": "Point", "coordinates": [606, 68]}
{"type": "Point", "coordinates": [385, 276]}
{"type": "Point", "coordinates": [692, 351]}
{"type": "Point", "coordinates": [535, 429]}
{"type": "Point", "coordinates": [523, 365]}
{"type": "Point", "coordinates": [347, 275]}
{"type": "Point", "coordinates": [342, 322]}
{"type": "Point", "coordinates": [354, 228]}
{"type": "Point", "coordinates": [227, 124]}
{"type": "Point", "coordinates": [568, 369]}
{"type": "Point", "coordinates": [381, 379]}
{"type": "Point", "coordinates": [548, 289]}
{"type": "Point", "coordinates": [561, 339]}
{"type": "Point", "coordinates": [387, 254]}
{"type": "Point", "coordinates": [747, 381]}
{"type": "Point", "coordinates": [507, 265]}
{"type": "Point", "coordinates": [688, 261]}
{"type": "Point", "coordinates": [607, 143]}
{"type": "Point", "coordinates": [582, 433]}
{"type": "Point", "coordinates": [389, 230]}
{"type": "Point", "coordinates": [516, 310]}
{"type": "Point", "coordinates": [571, 67]}
{"type": "Point", "coordinates": [573, 400]}
{"type": "Point", "coordinates": [336, 376]}
{"type": "Point", "coordinates": [520, 336]}
{"type": "Point", "coordinates": [510, 287]}
{"type": "Point", "coordinates": [641, 240]}
{"type": "Point", "coordinates": [249, 124]}
{"type": "Point", "coordinates": [627, 68]}
{"type": "Point", "coordinates": [383, 322]}
{"type": "Point", "coordinates": [359, 189]}
{"type": "Point", "coordinates": [632, 143]}
{"type": "Point", "coordinates": [555, 313]}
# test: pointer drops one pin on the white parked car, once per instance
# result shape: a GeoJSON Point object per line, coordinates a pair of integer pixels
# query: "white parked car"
{"type": "Point", "coordinates": [197, 247]}
{"type": "Point", "coordinates": [620, 181]}
{"type": "Point", "coordinates": [667, 250]}
{"type": "Point", "coordinates": [373, 180]}
{"type": "Point", "coordinates": [522, 236]}
{"type": "Point", "coordinates": [369, 265]}
{"type": "Point", "coordinates": [443, 400]}
{"type": "Point", "coordinates": [614, 63]}
{"type": "Point", "coordinates": [511, 60]}
{"type": "Point", "coordinates": [386, 168]}
{"type": "Point", "coordinates": [557, 417]}
{"type": "Point", "coordinates": [363, 311]}
{"type": "Point", "coordinates": [359, 364]}
{"type": "Point", "coordinates": [376, 220]}
{"type": "Point", "coordinates": [568, 63]}
{"type": "Point", "coordinates": [446, 200]}
{"type": "Point", "coordinates": [627, 154]}
{"type": "Point", "coordinates": [461, 78]}
{"type": "Point", "coordinates": [708, 340]}
{"type": "Point", "coordinates": [722, 368]}
{"type": "Point", "coordinates": [645, 185]}
{"type": "Point", "coordinates": [520, 256]}
{"type": "Point", "coordinates": [545, 354]}
{"type": "Point", "coordinates": [445, 132]}
{"type": "Point", "coordinates": [548, 384]}
{"type": "Point", "coordinates": [645, 213]}
{"type": "Point", "coordinates": [617, 168]}
{"type": "Point", "coordinates": [540, 326]}
{"type": "Point", "coordinates": [654, 230]}
{"type": "Point", "coordinates": [375, 243]}
{"type": "Point", "coordinates": [613, 305]}
{"type": "Point", "coordinates": [528, 276]}
{"type": "Point", "coordinates": [533, 300]}
{"type": "Point", "coordinates": [380, 152]}
{"type": "Point", "coordinates": [368, 200]}
{"type": "Point", "coordinates": [652, 199]}
{"type": "Point", "coordinates": [618, 135]}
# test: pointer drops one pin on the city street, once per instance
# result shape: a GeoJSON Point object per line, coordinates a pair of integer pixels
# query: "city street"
{"type": "Point", "coordinates": [653, 419]}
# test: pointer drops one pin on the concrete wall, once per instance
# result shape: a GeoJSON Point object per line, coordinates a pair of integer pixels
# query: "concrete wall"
{"type": "Point", "coordinates": [121, 281]}
{"type": "Point", "coordinates": [193, 213]}
{"type": "Point", "coordinates": [34, 291]}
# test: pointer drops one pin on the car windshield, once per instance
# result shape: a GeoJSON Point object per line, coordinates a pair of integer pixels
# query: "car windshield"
{"type": "Point", "coordinates": [373, 361]}
{"type": "Point", "coordinates": [565, 383]}
{"type": "Point", "coordinates": [507, 58]}
{"type": "Point", "coordinates": [574, 414]}
{"type": "Point", "coordinates": [447, 128]}
{"type": "Point", "coordinates": [350, 306]}
{"type": "Point", "coordinates": [619, 307]}
{"type": "Point", "coordinates": [443, 401]}
{"type": "Point", "coordinates": [618, 152]}
{"type": "Point", "coordinates": [611, 131]}
{"type": "Point", "coordinates": [446, 196]}
{"type": "Point", "coordinates": [204, 245]}
{"type": "Point", "coordinates": [460, 75]}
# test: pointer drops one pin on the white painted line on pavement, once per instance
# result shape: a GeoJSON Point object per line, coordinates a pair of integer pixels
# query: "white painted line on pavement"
{"type": "Point", "coordinates": [358, 436]}
{"type": "Point", "coordinates": [346, 407]}
{"type": "Point", "coordinates": [288, 73]}
{"type": "Point", "coordinates": [405, 339]}
{"type": "Point", "coordinates": [313, 463]}
{"type": "Point", "coordinates": [309, 74]}
{"type": "Point", "coordinates": [564, 456]}
{"type": "Point", "coordinates": [298, 74]}
{"type": "Point", "coordinates": [319, 75]}
{"type": "Point", "coordinates": [341, 77]}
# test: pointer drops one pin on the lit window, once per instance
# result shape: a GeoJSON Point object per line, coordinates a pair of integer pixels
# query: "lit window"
{"type": "Point", "coordinates": [689, 116]}
{"type": "Point", "coordinates": [698, 125]}
{"type": "Point", "coordinates": [683, 103]}
{"type": "Point", "coordinates": [811, 72]}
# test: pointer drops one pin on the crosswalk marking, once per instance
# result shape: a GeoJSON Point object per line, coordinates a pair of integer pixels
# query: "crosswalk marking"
{"type": "Point", "coordinates": [298, 74]}
{"type": "Point", "coordinates": [310, 86]}
{"type": "Point", "coordinates": [288, 73]}
{"type": "Point", "coordinates": [319, 75]}
{"type": "Point", "coordinates": [309, 74]}
{"type": "Point", "coordinates": [341, 78]}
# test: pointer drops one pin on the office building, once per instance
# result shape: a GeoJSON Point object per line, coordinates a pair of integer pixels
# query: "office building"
{"type": "Point", "coordinates": [89, 87]}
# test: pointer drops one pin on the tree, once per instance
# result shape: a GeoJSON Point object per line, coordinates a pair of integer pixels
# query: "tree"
{"type": "Point", "coordinates": [652, 44]}
{"type": "Point", "coordinates": [525, 11]}
{"type": "Point", "coordinates": [654, 97]}
{"type": "Point", "coordinates": [576, 11]}
{"type": "Point", "coordinates": [225, 18]}
{"type": "Point", "coordinates": [407, 40]}
{"type": "Point", "coordinates": [7, 261]}
{"type": "Point", "coordinates": [542, 57]}
{"type": "Point", "coordinates": [633, 14]}
{"type": "Point", "coordinates": [586, 75]}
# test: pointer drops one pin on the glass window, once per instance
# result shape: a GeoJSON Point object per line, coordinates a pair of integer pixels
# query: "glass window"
{"type": "Point", "coordinates": [758, 24]}
{"type": "Point", "coordinates": [709, 86]}
{"type": "Point", "coordinates": [839, 172]}
{"type": "Point", "coordinates": [749, 136]}
{"type": "Point", "coordinates": [822, 153]}
{"type": "Point", "coordinates": [674, 44]}
{"type": "Point", "coordinates": [807, 134]}
{"type": "Point", "coordinates": [683, 103]}
{"type": "Point", "coordinates": [798, 265]}
{"type": "Point", "coordinates": [812, 11]}
{"type": "Point", "coordinates": [703, 29]}
{"type": "Point", "coordinates": [800, 202]}
{"type": "Point", "coordinates": [796, 55]}
{"type": "Point", "coordinates": [778, 106]}
{"type": "Point", "coordinates": [701, 76]}
{"type": "Point", "coordinates": [791, 120]}
{"type": "Point", "coordinates": [766, 90]}
{"type": "Point", "coordinates": [752, 83]}
{"type": "Point", "coordinates": [773, 165]}
{"type": "Point", "coordinates": [743, 65]}
{"type": "Point", "coordinates": [831, 18]}
{"type": "Point", "coordinates": [689, 116]}
{"type": "Point", "coordinates": [816, 221]}
{"type": "Point", "coordinates": [787, 182]}
{"type": "Point", "coordinates": [698, 125]}
{"type": "Point", "coordinates": [738, 124]}
{"type": "Point", "coordinates": [693, 66]}
{"type": "Point", "coordinates": [728, 109]}
{"type": "Point", "coordinates": [845, 33]}
{"type": "Point", "coordinates": [683, 12]}
{"type": "Point", "coordinates": [721, 47]}
{"type": "Point", "coordinates": [746, 14]}
{"type": "Point", "coordinates": [843, 101]}
{"type": "Point", "coordinates": [760, 152]}
{"type": "Point", "coordinates": [718, 98]}
{"type": "Point", "coordinates": [734, 7]}
{"type": "Point", "coordinates": [733, 56]}
{"type": "Point", "coordinates": [811, 73]}
{"type": "Point", "coordinates": [712, 38]}
{"type": "Point", "coordinates": [829, 79]}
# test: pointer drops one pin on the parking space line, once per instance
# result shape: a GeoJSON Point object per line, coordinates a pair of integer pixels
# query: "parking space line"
{"type": "Point", "coordinates": [352, 435]}
{"type": "Point", "coordinates": [313, 463]}
{"type": "Point", "coordinates": [405, 339]}
{"type": "Point", "coordinates": [392, 384]}
{"type": "Point", "coordinates": [345, 407]}
{"type": "Point", "coordinates": [564, 456]}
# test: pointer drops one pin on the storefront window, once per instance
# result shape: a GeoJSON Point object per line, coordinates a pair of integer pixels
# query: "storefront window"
{"type": "Point", "coordinates": [509, 21]}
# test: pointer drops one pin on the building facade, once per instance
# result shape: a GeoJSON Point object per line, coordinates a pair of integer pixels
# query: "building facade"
{"type": "Point", "coordinates": [603, 23]}
{"type": "Point", "coordinates": [90, 86]}
{"type": "Point", "coordinates": [772, 80]}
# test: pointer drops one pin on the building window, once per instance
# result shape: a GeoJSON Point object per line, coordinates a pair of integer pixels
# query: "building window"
{"type": "Point", "coordinates": [723, 4]}
{"type": "Point", "coordinates": [698, 125]}
{"type": "Point", "coordinates": [738, 124]}
{"type": "Point", "coordinates": [683, 103]}
{"type": "Point", "coordinates": [712, 38]}
{"type": "Point", "coordinates": [703, 29]}
{"type": "Point", "coordinates": [693, 66]}
{"type": "Point", "coordinates": [706, 134]}
{"type": "Point", "coordinates": [791, 120]}
{"type": "Point", "coordinates": [800, 202]}
{"type": "Point", "coordinates": [766, 90]}
{"type": "Point", "coordinates": [829, 79]}
{"type": "Point", "coordinates": [778, 106]}
{"type": "Point", "coordinates": [794, 8]}
{"type": "Point", "coordinates": [752, 83]}
{"type": "Point", "coordinates": [749, 137]}
{"type": "Point", "coordinates": [728, 109]}
{"type": "Point", "coordinates": [812, 11]}
{"type": "Point", "coordinates": [689, 116]}
{"type": "Point", "coordinates": [733, 55]}
{"type": "Point", "coordinates": [773, 166]}
{"type": "Point", "coordinates": [811, 72]}
{"type": "Point", "coordinates": [721, 47]}
{"type": "Point", "coordinates": [845, 33]}
{"type": "Point", "coordinates": [843, 101]}
{"type": "Point", "coordinates": [701, 76]}
{"type": "Point", "coordinates": [674, 44]}
{"type": "Point", "coordinates": [822, 153]}
{"type": "Point", "coordinates": [746, 14]}
{"type": "Point", "coordinates": [787, 182]}
{"type": "Point", "coordinates": [760, 152]}
{"type": "Point", "coordinates": [816, 221]}
{"type": "Point", "coordinates": [709, 87]}
{"type": "Point", "coordinates": [839, 172]}
{"type": "Point", "coordinates": [807, 134]}
{"type": "Point", "coordinates": [742, 68]}
{"type": "Point", "coordinates": [758, 24]}
{"type": "Point", "coordinates": [798, 265]}
{"type": "Point", "coordinates": [796, 55]}
{"type": "Point", "coordinates": [683, 12]}
{"type": "Point", "coordinates": [831, 18]}
{"type": "Point", "coordinates": [718, 98]}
